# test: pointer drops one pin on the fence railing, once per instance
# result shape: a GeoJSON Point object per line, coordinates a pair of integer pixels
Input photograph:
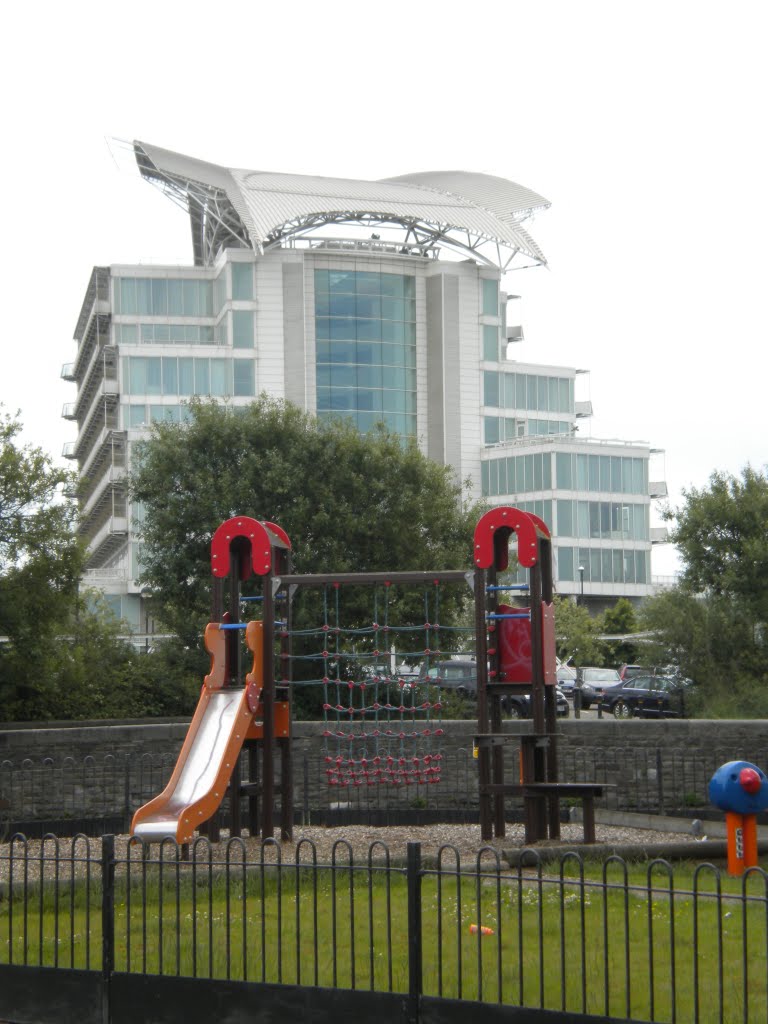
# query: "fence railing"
{"type": "Point", "coordinates": [616, 940]}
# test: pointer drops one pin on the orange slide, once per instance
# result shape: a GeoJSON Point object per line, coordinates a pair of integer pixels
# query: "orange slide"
{"type": "Point", "coordinates": [211, 748]}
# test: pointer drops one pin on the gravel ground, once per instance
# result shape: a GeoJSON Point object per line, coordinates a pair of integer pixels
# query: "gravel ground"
{"type": "Point", "coordinates": [465, 838]}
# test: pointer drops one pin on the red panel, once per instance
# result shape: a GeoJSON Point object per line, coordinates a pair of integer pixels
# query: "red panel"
{"type": "Point", "coordinates": [514, 645]}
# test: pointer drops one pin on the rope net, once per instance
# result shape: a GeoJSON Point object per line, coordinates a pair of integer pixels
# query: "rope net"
{"type": "Point", "coordinates": [382, 725]}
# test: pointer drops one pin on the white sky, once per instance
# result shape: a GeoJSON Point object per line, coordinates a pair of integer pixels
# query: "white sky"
{"type": "Point", "coordinates": [642, 123]}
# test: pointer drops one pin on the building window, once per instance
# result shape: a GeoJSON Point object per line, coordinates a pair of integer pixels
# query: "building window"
{"type": "Point", "coordinates": [242, 282]}
{"type": "Point", "coordinates": [491, 388]}
{"type": "Point", "coordinates": [242, 327]}
{"type": "Point", "coordinates": [365, 326]}
{"type": "Point", "coordinates": [490, 304]}
{"type": "Point", "coordinates": [491, 352]}
{"type": "Point", "coordinates": [185, 376]}
{"type": "Point", "coordinates": [157, 296]}
{"type": "Point", "coordinates": [244, 378]}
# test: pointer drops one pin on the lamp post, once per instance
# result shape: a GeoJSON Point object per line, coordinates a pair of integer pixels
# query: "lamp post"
{"type": "Point", "coordinates": [581, 584]}
{"type": "Point", "coordinates": [145, 595]}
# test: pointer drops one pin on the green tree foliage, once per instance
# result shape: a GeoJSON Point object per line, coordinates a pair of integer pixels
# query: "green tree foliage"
{"type": "Point", "coordinates": [576, 631]}
{"type": "Point", "coordinates": [619, 621]}
{"type": "Point", "coordinates": [40, 563]}
{"type": "Point", "coordinates": [713, 625]}
{"type": "Point", "coordinates": [722, 534]}
{"type": "Point", "coordinates": [350, 503]}
{"type": "Point", "coordinates": [64, 656]}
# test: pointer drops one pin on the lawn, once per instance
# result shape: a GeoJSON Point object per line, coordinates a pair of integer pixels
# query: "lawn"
{"type": "Point", "coordinates": [639, 941]}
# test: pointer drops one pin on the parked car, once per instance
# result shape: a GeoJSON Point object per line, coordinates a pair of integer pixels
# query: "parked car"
{"type": "Point", "coordinates": [594, 682]}
{"type": "Point", "coordinates": [518, 705]}
{"type": "Point", "coordinates": [645, 696]}
{"type": "Point", "coordinates": [458, 676]}
{"type": "Point", "coordinates": [566, 679]}
{"type": "Point", "coordinates": [628, 671]}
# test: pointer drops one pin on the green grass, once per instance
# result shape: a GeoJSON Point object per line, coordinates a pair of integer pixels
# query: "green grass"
{"type": "Point", "coordinates": [559, 940]}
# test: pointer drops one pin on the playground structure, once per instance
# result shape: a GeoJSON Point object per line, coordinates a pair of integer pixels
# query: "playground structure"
{"type": "Point", "coordinates": [740, 789]}
{"type": "Point", "coordinates": [514, 651]}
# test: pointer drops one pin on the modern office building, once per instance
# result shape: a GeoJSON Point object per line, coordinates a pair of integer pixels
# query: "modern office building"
{"type": "Point", "coordinates": [375, 300]}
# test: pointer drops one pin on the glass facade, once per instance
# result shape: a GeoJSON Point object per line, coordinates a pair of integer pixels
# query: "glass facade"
{"type": "Point", "coordinates": [533, 392]}
{"type": "Point", "coordinates": [159, 296]}
{"type": "Point", "coordinates": [609, 473]}
{"type": "Point", "coordinates": [516, 474]}
{"type": "Point", "coordinates": [491, 349]}
{"type": "Point", "coordinates": [490, 303]}
{"type": "Point", "coordinates": [603, 520]}
{"type": "Point", "coordinates": [365, 329]}
{"type": "Point", "coordinates": [187, 376]}
{"type": "Point", "coordinates": [164, 334]}
{"type": "Point", "coordinates": [242, 282]}
{"type": "Point", "coordinates": [603, 565]}
{"type": "Point", "coordinates": [507, 428]}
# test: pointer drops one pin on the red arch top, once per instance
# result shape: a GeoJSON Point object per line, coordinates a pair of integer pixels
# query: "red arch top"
{"type": "Point", "coordinates": [492, 537]}
{"type": "Point", "coordinates": [254, 533]}
{"type": "Point", "coordinates": [278, 532]}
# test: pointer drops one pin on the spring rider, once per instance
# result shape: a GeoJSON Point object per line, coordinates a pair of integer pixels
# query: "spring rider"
{"type": "Point", "coordinates": [741, 790]}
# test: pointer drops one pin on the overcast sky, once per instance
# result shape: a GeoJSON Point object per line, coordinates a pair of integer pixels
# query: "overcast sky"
{"type": "Point", "coordinates": [642, 123]}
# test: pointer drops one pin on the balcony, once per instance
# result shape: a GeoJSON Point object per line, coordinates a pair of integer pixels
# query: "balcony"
{"type": "Point", "coordinates": [658, 489]}
{"type": "Point", "coordinates": [514, 333]}
{"type": "Point", "coordinates": [107, 542]}
{"type": "Point", "coordinates": [69, 451]}
{"type": "Point", "coordinates": [103, 415]}
{"type": "Point", "coordinates": [659, 535]}
{"type": "Point", "coordinates": [68, 372]}
{"type": "Point", "coordinates": [68, 411]}
{"type": "Point", "coordinates": [101, 453]}
{"type": "Point", "coordinates": [110, 484]}
{"type": "Point", "coordinates": [583, 410]}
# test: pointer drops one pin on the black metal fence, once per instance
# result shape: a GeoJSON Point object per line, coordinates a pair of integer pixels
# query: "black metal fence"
{"type": "Point", "coordinates": [98, 795]}
{"type": "Point", "coordinates": [122, 932]}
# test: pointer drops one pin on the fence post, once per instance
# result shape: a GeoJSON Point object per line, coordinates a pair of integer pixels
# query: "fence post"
{"type": "Point", "coordinates": [107, 922]}
{"type": "Point", "coordinates": [413, 876]}
{"type": "Point", "coordinates": [660, 780]}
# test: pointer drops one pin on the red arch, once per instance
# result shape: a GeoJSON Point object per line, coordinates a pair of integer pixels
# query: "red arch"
{"type": "Point", "coordinates": [278, 532]}
{"type": "Point", "coordinates": [254, 533]}
{"type": "Point", "coordinates": [492, 537]}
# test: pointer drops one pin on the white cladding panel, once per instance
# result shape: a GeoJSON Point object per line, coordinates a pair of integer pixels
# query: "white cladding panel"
{"type": "Point", "coordinates": [270, 372]}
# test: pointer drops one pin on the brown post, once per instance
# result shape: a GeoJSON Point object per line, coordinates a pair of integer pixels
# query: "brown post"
{"type": "Point", "coordinates": [484, 752]}
{"type": "Point", "coordinates": [268, 702]}
{"type": "Point", "coordinates": [235, 817]}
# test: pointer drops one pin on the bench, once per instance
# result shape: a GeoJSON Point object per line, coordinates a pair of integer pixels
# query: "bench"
{"type": "Point", "coordinates": [534, 792]}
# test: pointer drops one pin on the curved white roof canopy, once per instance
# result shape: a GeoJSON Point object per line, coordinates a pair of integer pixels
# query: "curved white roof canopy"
{"type": "Point", "coordinates": [477, 215]}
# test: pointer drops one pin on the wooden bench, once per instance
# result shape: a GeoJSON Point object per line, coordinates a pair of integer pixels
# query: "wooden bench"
{"type": "Point", "coordinates": [534, 792]}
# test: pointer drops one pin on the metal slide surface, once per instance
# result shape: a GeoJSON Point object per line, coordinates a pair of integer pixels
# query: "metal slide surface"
{"type": "Point", "coordinates": [199, 767]}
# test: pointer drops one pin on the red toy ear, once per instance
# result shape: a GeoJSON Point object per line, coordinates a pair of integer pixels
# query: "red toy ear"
{"type": "Point", "coordinates": [749, 780]}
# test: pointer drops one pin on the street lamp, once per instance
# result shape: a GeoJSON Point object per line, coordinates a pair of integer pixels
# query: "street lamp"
{"type": "Point", "coordinates": [145, 594]}
{"type": "Point", "coordinates": [581, 581]}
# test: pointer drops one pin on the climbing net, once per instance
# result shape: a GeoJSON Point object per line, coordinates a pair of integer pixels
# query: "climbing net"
{"type": "Point", "coordinates": [383, 725]}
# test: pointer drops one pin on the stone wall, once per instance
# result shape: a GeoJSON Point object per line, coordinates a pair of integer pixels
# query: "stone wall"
{"type": "Point", "coordinates": [102, 768]}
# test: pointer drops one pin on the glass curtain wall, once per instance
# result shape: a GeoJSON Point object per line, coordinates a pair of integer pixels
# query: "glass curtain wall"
{"type": "Point", "coordinates": [365, 323]}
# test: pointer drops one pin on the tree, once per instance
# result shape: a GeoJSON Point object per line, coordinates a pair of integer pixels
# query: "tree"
{"type": "Point", "coordinates": [349, 502]}
{"type": "Point", "coordinates": [722, 535]}
{"type": "Point", "coordinates": [619, 621]}
{"type": "Point", "coordinates": [576, 634]}
{"type": "Point", "coordinates": [40, 565]}
{"type": "Point", "coordinates": [710, 640]}
{"type": "Point", "coordinates": [713, 625]}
